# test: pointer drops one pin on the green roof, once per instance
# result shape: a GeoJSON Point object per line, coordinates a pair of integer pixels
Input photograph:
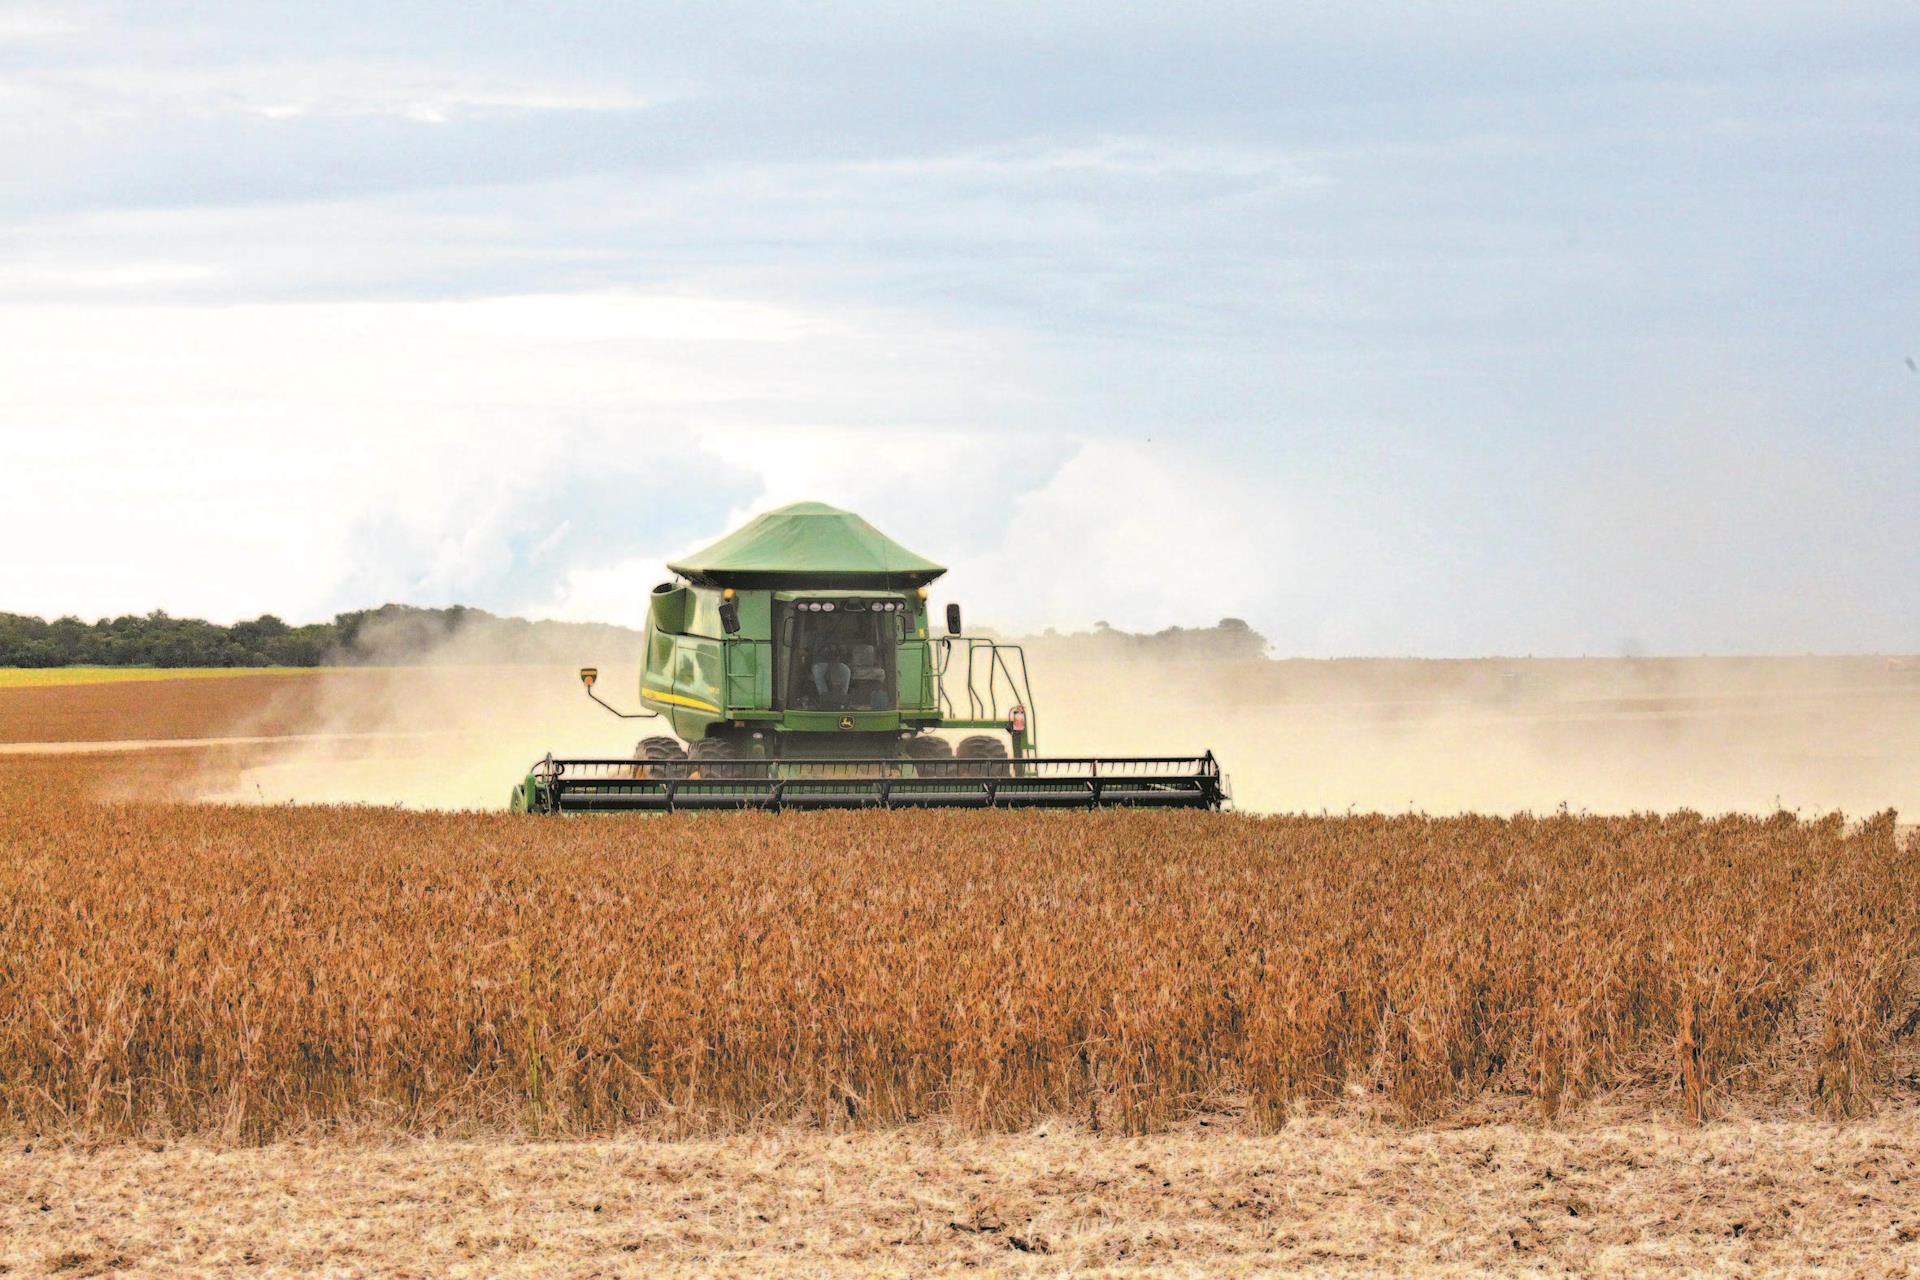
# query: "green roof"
{"type": "Point", "coordinates": [807, 541]}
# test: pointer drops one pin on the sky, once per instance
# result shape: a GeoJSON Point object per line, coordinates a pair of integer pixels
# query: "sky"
{"type": "Point", "coordinates": [1440, 330]}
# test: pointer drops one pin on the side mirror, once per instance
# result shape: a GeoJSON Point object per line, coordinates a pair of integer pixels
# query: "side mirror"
{"type": "Point", "coordinates": [953, 619]}
{"type": "Point", "coordinates": [729, 617]}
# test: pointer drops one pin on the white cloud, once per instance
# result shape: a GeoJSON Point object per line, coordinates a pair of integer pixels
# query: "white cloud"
{"type": "Point", "coordinates": [1116, 156]}
{"type": "Point", "coordinates": [96, 277]}
{"type": "Point", "coordinates": [946, 494]}
{"type": "Point", "coordinates": [615, 592]}
{"type": "Point", "coordinates": [1060, 535]}
{"type": "Point", "coordinates": [318, 87]}
{"type": "Point", "coordinates": [560, 319]}
{"type": "Point", "coordinates": [227, 460]}
{"type": "Point", "coordinates": [27, 26]}
{"type": "Point", "coordinates": [1140, 535]}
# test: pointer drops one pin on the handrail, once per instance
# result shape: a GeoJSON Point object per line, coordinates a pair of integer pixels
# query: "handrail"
{"type": "Point", "coordinates": [942, 702]}
{"type": "Point", "coordinates": [988, 666]}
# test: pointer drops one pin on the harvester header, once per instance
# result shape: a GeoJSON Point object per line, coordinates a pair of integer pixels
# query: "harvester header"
{"type": "Point", "coordinates": [794, 662]}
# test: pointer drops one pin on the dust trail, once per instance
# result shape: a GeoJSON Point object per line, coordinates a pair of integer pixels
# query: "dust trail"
{"type": "Point", "coordinates": [450, 723]}
{"type": "Point", "coordinates": [119, 746]}
{"type": "Point", "coordinates": [1492, 735]}
{"type": "Point", "coordinates": [1500, 736]}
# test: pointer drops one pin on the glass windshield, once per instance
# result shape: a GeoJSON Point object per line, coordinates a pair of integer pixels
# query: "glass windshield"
{"type": "Point", "coordinates": [842, 661]}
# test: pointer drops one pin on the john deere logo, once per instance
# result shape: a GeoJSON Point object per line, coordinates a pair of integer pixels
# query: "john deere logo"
{"type": "Point", "coordinates": [846, 722]}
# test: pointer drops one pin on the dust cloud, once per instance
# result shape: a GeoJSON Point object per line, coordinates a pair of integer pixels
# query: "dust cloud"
{"type": "Point", "coordinates": [453, 724]}
{"type": "Point", "coordinates": [455, 728]}
{"type": "Point", "coordinates": [1511, 735]}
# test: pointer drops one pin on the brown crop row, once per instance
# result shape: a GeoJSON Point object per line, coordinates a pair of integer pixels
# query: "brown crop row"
{"type": "Point", "coordinates": [254, 971]}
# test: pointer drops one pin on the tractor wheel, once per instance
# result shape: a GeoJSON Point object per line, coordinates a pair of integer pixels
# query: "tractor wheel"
{"type": "Point", "coordinates": [930, 755]}
{"type": "Point", "coordinates": [664, 757]}
{"type": "Point", "coordinates": [982, 756]}
{"type": "Point", "coordinates": [710, 759]}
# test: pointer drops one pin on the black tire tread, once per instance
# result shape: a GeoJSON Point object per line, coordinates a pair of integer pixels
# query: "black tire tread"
{"type": "Point", "coordinates": [665, 757]}
{"type": "Point", "coordinates": [932, 756]}
{"type": "Point", "coordinates": [709, 757]}
{"type": "Point", "coordinates": [988, 751]}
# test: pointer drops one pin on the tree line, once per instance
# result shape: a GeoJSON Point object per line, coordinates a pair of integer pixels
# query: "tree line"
{"type": "Point", "coordinates": [391, 634]}
{"type": "Point", "coordinates": [396, 634]}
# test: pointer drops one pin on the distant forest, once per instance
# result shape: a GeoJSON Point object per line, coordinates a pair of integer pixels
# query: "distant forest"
{"type": "Point", "coordinates": [393, 634]}
{"type": "Point", "coordinates": [1227, 638]}
{"type": "Point", "coordinates": [397, 634]}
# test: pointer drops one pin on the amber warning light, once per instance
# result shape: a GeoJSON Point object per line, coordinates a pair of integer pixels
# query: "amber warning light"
{"type": "Point", "coordinates": [588, 675]}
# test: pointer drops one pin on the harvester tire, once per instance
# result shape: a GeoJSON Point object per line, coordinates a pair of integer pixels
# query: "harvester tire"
{"type": "Point", "coordinates": [664, 757]}
{"type": "Point", "coordinates": [931, 756]}
{"type": "Point", "coordinates": [709, 759]}
{"type": "Point", "coordinates": [982, 756]}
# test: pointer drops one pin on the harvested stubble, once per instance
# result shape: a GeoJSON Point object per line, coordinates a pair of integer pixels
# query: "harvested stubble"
{"type": "Point", "coordinates": [166, 705]}
{"type": "Point", "coordinates": [252, 972]}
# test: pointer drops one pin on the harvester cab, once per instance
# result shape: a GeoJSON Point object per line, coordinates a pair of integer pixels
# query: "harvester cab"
{"type": "Point", "coordinates": [793, 664]}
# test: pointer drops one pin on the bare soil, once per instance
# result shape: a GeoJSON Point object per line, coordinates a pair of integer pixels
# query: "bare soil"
{"type": "Point", "coordinates": [1333, 1195]}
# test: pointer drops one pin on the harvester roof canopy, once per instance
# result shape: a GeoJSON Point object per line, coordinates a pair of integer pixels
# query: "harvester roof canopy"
{"type": "Point", "coordinates": [807, 544]}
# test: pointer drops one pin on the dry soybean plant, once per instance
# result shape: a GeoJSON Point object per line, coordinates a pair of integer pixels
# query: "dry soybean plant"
{"type": "Point", "coordinates": [254, 972]}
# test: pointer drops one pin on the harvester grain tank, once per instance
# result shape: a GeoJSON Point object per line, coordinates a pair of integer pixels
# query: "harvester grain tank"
{"type": "Point", "coordinates": [794, 663]}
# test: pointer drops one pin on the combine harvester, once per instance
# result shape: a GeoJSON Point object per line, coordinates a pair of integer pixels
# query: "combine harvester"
{"type": "Point", "coordinates": [793, 663]}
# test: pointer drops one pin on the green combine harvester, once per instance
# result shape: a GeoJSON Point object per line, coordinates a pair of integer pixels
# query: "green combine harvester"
{"type": "Point", "coordinates": [793, 662]}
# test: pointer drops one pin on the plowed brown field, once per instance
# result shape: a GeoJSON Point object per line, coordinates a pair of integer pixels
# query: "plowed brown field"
{"type": "Point", "coordinates": [177, 708]}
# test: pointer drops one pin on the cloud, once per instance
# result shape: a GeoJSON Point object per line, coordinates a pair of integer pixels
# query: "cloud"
{"type": "Point", "coordinates": [1137, 534]}
{"type": "Point", "coordinates": [948, 494]}
{"type": "Point", "coordinates": [1062, 534]}
{"type": "Point", "coordinates": [314, 87]}
{"type": "Point", "coordinates": [1119, 157]}
{"type": "Point", "coordinates": [115, 278]}
{"type": "Point", "coordinates": [341, 303]}
{"type": "Point", "coordinates": [31, 26]}
{"type": "Point", "coordinates": [302, 458]}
